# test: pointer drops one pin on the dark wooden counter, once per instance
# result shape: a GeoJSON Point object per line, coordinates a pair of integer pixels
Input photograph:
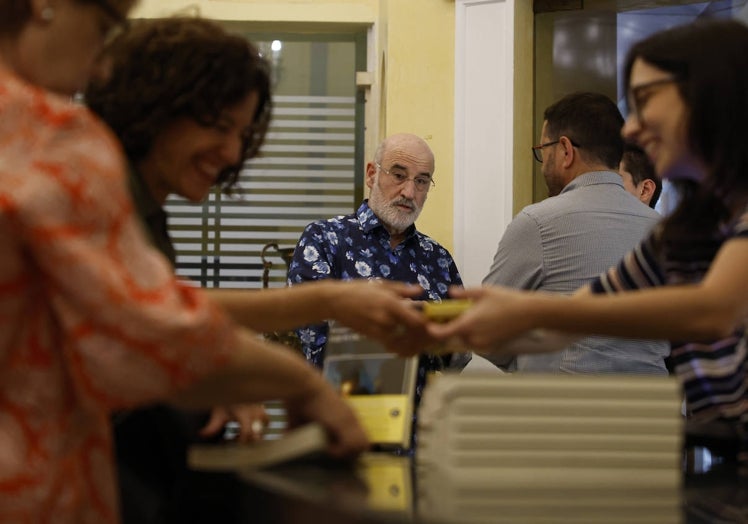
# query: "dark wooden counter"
{"type": "Point", "coordinates": [317, 491]}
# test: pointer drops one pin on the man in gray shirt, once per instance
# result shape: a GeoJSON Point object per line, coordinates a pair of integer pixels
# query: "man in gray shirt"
{"type": "Point", "coordinates": [586, 226]}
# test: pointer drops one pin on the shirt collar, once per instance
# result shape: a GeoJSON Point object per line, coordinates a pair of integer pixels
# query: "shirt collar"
{"type": "Point", "coordinates": [594, 178]}
{"type": "Point", "coordinates": [369, 221]}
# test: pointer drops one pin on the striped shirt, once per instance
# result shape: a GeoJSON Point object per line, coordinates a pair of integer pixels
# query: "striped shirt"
{"type": "Point", "coordinates": [713, 374]}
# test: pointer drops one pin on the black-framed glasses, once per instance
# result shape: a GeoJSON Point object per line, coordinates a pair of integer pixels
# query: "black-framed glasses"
{"type": "Point", "coordinates": [638, 96]}
{"type": "Point", "coordinates": [537, 151]}
{"type": "Point", "coordinates": [399, 177]}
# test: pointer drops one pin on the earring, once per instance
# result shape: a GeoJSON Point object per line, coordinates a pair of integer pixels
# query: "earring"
{"type": "Point", "coordinates": [47, 14]}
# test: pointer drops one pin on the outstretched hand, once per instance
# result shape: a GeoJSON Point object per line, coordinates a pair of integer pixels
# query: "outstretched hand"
{"type": "Point", "coordinates": [324, 405]}
{"type": "Point", "coordinates": [496, 316]}
{"type": "Point", "coordinates": [383, 310]}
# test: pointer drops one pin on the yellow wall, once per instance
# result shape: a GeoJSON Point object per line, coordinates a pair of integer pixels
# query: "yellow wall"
{"type": "Point", "coordinates": [523, 97]}
{"type": "Point", "coordinates": [316, 11]}
{"type": "Point", "coordinates": [414, 39]}
{"type": "Point", "coordinates": [419, 69]}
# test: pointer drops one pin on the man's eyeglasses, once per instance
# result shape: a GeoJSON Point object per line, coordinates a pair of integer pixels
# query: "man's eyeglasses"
{"type": "Point", "coordinates": [399, 177]}
{"type": "Point", "coordinates": [537, 151]}
{"type": "Point", "coordinates": [640, 95]}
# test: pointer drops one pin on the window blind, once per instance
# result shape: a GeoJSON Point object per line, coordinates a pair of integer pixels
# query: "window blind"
{"type": "Point", "coordinates": [305, 172]}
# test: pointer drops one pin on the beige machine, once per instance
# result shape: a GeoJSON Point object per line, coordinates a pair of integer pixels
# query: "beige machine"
{"type": "Point", "coordinates": [550, 448]}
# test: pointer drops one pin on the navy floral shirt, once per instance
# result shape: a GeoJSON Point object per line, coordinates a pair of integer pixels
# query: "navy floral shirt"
{"type": "Point", "coordinates": [358, 246]}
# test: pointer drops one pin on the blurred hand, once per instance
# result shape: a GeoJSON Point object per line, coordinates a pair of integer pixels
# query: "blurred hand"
{"type": "Point", "coordinates": [252, 420]}
{"type": "Point", "coordinates": [496, 316]}
{"type": "Point", "coordinates": [325, 406]}
{"type": "Point", "coordinates": [383, 310]}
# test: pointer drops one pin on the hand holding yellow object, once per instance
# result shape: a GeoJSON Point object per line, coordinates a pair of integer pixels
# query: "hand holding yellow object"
{"type": "Point", "coordinates": [446, 310]}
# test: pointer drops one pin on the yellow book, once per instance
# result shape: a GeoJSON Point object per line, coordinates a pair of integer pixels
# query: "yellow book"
{"type": "Point", "coordinates": [445, 310]}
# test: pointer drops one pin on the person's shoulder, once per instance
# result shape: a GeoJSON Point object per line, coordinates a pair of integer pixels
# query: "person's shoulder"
{"type": "Point", "coordinates": [328, 230]}
{"type": "Point", "coordinates": [53, 112]}
{"type": "Point", "coordinates": [50, 135]}
{"type": "Point", "coordinates": [630, 205]}
{"type": "Point", "coordinates": [332, 223]}
{"type": "Point", "coordinates": [545, 209]}
{"type": "Point", "coordinates": [61, 124]}
{"type": "Point", "coordinates": [650, 213]}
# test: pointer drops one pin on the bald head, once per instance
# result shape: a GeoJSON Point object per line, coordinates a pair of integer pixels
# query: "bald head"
{"type": "Point", "coordinates": [407, 145]}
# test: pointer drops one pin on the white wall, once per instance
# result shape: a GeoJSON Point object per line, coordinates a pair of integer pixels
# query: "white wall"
{"type": "Point", "coordinates": [484, 93]}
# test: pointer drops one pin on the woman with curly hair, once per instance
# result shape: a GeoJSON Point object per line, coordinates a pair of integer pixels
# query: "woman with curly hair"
{"type": "Point", "coordinates": [190, 104]}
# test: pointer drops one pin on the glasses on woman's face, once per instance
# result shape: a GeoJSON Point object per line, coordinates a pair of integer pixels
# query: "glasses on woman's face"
{"type": "Point", "coordinates": [537, 151]}
{"type": "Point", "coordinates": [398, 176]}
{"type": "Point", "coordinates": [641, 94]}
{"type": "Point", "coordinates": [116, 22]}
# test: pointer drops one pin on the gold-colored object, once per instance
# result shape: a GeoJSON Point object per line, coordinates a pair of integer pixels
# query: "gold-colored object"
{"type": "Point", "coordinates": [446, 310]}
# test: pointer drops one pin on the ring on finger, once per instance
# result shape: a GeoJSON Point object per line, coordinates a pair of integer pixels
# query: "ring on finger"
{"type": "Point", "coordinates": [257, 427]}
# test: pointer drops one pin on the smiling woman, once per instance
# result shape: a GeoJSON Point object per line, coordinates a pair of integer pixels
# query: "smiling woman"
{"type": "Point", "coordinates": [207, 89]}
{"type": "Point", "coordinates": [190, 103]}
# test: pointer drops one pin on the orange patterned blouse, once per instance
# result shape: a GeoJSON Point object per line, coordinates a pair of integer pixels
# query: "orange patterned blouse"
{"type": "Point", "coordinates": [91, 317]}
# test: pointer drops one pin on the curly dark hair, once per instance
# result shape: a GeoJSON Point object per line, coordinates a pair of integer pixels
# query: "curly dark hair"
{"type": "Point", "coordinates": [178, 67]}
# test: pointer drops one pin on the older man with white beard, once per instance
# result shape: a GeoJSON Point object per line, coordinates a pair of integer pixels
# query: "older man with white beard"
{"type": "Point", "coordinates": [380, 240]}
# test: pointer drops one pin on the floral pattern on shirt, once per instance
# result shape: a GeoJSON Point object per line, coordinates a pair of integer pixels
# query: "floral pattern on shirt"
{"type": "Point", "coordinates": [358, 246]}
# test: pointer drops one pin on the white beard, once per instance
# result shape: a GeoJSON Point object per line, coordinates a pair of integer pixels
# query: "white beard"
{"type": "Point", "coordinates": [394, 219]}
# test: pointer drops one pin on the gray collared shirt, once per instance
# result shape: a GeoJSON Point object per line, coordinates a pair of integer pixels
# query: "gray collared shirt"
{"type": "Point", "coordinates": [564, 242]}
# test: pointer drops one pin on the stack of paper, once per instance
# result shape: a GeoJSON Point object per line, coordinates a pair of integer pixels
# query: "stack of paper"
{"type": "Point", "coordinates": [550, 448]}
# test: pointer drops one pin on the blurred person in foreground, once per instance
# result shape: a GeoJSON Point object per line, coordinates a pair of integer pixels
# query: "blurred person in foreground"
{"type": "Point", "coordinates": [93, 319]}
{"type": "Point", "coordinates": [687, 282]}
